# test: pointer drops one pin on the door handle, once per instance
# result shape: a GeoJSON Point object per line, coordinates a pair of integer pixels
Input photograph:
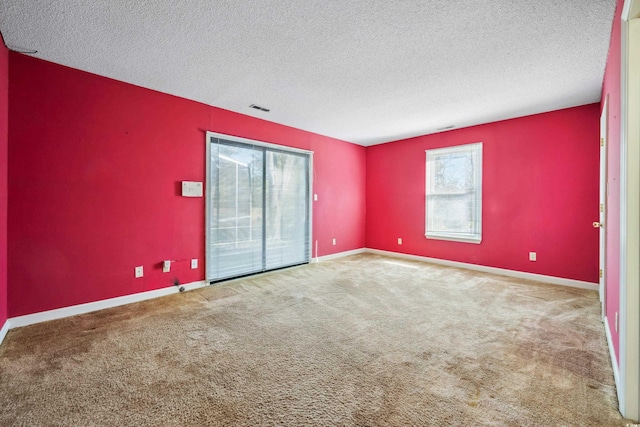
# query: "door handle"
{"type": "Point", "coordinates": [598, 224]}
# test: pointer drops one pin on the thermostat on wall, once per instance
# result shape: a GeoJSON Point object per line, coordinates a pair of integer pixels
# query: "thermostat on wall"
{"type": "Point", "coordinates": [191, 189]}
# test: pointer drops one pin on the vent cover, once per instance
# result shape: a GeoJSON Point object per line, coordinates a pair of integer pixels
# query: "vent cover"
{"type": "Point", "coordinates": [257, 107]}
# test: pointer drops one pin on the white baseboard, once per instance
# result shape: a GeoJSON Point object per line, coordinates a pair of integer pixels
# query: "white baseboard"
{"type": "Point", "coordinates": [3, 331]}
{"type": "Point", "coordinates": [493, 270]}
{"type": "Point", "coordinates": [614, 359]}
{"type": "Point", "coordinates": [339, 255]}
{"type": "Point", "coordinates": [74, 310]}
{"type": "Point", "coordinates": [60, 313]}
{"type": "Point", "coordinates": [44, 316]}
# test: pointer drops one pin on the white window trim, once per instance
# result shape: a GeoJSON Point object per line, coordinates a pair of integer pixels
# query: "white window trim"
{"type": "Point", "coordinates": [465, 238]}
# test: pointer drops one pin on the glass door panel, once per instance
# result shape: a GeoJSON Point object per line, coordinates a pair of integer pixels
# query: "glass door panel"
{"type": "Point", "coordinates": [236, 211]}
{"type": "Point", "coordinates": [286, 209]}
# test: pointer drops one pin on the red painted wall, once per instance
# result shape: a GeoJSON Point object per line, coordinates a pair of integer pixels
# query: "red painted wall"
{"type": "Point", "coordinates": [4, 142]}
{"type": "Point", "coordinates": [611, 88]}
{"type": "Point", "coordinates": [540, 194]}
{"type": "Point", "coordinates": [94, 185]}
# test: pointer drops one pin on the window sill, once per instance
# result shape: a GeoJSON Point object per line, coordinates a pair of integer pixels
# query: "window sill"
{"type": "Point", "coordinates": [448, 237]}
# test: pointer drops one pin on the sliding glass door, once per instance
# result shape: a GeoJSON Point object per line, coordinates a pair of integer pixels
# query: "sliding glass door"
{"type": "Point", "coordinates": [258, 215]}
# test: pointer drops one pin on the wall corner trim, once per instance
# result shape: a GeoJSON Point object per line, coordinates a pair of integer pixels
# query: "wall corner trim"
{"type": "Point", "coordinates": [74, 310]}
{"type": "Point", "coordinates": [493, 270]}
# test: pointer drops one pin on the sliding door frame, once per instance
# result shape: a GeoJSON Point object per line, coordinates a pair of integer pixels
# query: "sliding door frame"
{"type": "Point", "coordinates": [267, 145]}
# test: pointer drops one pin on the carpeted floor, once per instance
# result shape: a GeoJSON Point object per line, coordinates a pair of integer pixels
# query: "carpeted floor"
{"type": "Point", "coordinates": [360, 341]}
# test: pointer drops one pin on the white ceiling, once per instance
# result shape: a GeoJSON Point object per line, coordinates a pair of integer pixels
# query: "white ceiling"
{"type": "Point", "coordinates": [364, 71]}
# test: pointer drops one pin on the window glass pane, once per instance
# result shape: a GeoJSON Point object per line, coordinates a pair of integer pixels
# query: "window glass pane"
{"type": "Point", "coordinates": [453, 214]}
{"type": "Point", "coordinates": [453, 173]}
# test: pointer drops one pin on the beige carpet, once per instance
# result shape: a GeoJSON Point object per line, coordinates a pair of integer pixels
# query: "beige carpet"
{"type": "Point", "coordinates": [361, 341]}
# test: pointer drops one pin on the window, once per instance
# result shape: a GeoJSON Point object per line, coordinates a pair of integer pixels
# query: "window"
{"type": "Point", "coordinates": [454, 193]}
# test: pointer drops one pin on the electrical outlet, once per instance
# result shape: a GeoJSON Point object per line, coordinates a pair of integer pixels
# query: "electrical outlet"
{"type": "Point", "coordinates": [166, 266]}
{"type": "Point", "coordinates": [399, 240]}
{"type": "Point", "coordinates": [315, 197]}
{"type": "Point", "coordinates": [139, 272]}
{"type": "Point", "coordinates": [532, 256]}
{"type": "Point", "coordinates": [334, 242]}
{"type": "Point", "coordinates": [194, 263]}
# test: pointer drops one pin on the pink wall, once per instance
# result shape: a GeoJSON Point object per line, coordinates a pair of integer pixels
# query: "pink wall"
{"type": "Point", "coordinates": [540, 193]}
{"type": "Point", "coordinates": [94, 185]}
{"type": "Point", "coordinates": [611, 88]}
{"type": "Point", "coordinates": [96, 166]}
{"type": "Point", "coordinates": [4, 126]}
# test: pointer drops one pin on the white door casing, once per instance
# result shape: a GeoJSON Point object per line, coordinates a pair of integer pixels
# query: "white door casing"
{"type": "Point", "coordinates": [603, 202]}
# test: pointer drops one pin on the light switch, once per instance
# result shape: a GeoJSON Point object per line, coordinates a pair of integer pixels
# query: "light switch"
{"type": "Point", "coordinates": [191, 189]}
{"type": "Point", "coordinates": [139, 271]}
{"type": "Point", "coordinates": [166, 266]}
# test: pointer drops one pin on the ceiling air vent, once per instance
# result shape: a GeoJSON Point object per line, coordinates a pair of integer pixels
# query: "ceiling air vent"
{"type": "Point", "coordinates": [257, 107]}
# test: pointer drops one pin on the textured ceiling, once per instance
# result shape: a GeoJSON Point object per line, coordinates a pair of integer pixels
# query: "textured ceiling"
{"type": "Point", "coordinates": [364, 71]}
